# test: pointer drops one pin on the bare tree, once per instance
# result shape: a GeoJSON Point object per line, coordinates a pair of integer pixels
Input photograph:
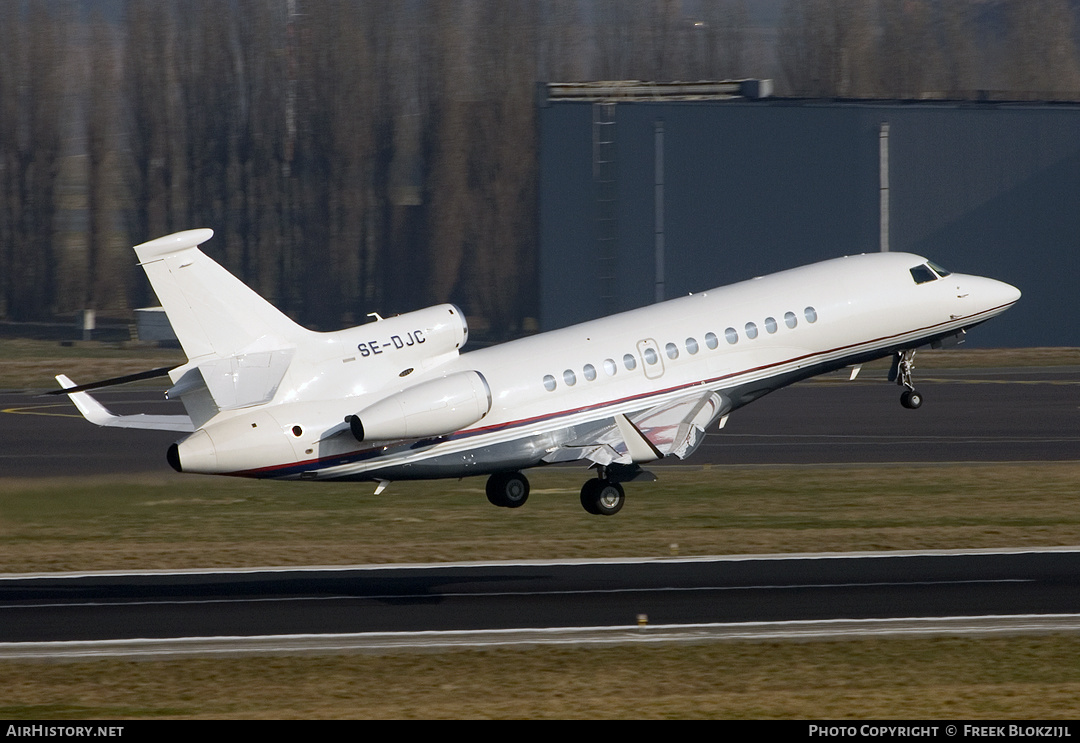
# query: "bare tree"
{"type": "Point", "coordinates": [151, 121]}
{"type": "Point", "coordinates": [207, 121]}
{"type": "Point", "coordinates": [720, 35]}
{"type": "Point", "coordinates": [959, 49]}
{"type": "Point", "coordinates": [615, 40]}
{"type": "Point", "coordinates": [451, 102]}
{"type": "Point", "coordinates": [11, 73]}
{"type": "Point", "coordinates": [327, 178]}
{"type": "Point", "coordinates": [1041, 59]}
{"type": "Point", "coordinates": [825, 47]}
{"type": "Point", "coordinates": [102, 288]}
{"type": "Point", "coordinates": [32, 102]}
{"type": "Point", "coordinates": [663, 35]}
{"type": "Point", "coordinates": [908, 56]}
{"type": "Point", "coordinates": [503, 248]}
{"type": "Point", "coordinates": [562, 43]}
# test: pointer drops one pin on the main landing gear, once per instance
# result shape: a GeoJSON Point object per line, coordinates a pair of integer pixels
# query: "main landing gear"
{"type": "Point", "coordinates": [600, 496]}
{"type": "Point", "coordinates": [507, 489]}
{"type": "Point", "coordinates": [903, 364]}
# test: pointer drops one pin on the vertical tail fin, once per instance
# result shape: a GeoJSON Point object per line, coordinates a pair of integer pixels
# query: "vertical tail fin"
{"type": "Point", "coordinates": [212, 312]}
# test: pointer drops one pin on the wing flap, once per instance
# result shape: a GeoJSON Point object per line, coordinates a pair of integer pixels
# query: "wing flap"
{"type": "Point", "coordinates": [601, 454]}
{"type": "Point", "coordinates": [676, 428]}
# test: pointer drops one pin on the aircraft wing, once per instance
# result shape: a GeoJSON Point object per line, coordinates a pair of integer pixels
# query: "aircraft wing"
{"type": "Point", "coordinates": [99, 415]}
{"type": "Point", "coordinates": [678, 428]}
{"type": "Point", "coordinates": [674, 428]}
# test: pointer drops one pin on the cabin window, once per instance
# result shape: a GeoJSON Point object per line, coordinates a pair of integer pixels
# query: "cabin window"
{"type": "Point", "coordinates": [569, 377]}
{"type": "Point", "coordinates": [790, 320]}
{"type": "Point", "coordinates": [549, 383]}
{"type": "Point", "coordinates": [770, 324]}
{"type": "Point", "coordinates": [610, 368]}
{"type": "Point", "coordinates": [711, 341]}
{"type": "Point", "coordinates": [691, 346]}
{"type": "Point", "coordinates": [810, 314]}
{"type": "Point", "coordinates": [651, 356]}
{"type": "Point", "coordinates": [589, 371]}
{"type": "Point", "coordinates": [629, 362]}
{"type": "Point", "coordinates": [923, 274]}
{"type": "Point", "coordinates": [732, 336]}
{"type": "Point", "coordinates": [751, 330]}
{"type": "Point", "coordinates": [672, 351]}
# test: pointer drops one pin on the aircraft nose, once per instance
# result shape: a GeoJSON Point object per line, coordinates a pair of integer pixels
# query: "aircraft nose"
{"type": "Point", "coordinates": [988, 297]}
{"type": "Point", "coordinates": [1000, 294]}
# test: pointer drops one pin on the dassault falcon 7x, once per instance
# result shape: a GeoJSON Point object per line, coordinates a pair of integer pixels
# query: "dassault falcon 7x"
{"type": "Point", "coordinates": [394, 399]}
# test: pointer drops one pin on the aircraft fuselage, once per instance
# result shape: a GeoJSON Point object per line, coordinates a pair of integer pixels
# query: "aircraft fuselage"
{"type": "Point", "coordinates": [554, 392]}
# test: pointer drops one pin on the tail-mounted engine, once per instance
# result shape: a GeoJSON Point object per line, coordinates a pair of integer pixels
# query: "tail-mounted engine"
{"type": "Point", "coordinates": [400, 345]}
{"type": "Point", "coordinates": [433, 408]}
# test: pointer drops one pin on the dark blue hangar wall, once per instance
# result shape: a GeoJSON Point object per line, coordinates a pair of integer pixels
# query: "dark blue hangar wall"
{"type": "Point", "coordinates": [751, 187]}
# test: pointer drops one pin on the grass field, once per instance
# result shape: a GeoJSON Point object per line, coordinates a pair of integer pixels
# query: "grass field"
{"type": "Point", "coordinates": [177, 521]}
{"type": "Point", "coordinates": [30, 364]}
{"type": "Point", "coordinates": [174, 521]}
{"type": "Point", "coordinates": [1023, 677]}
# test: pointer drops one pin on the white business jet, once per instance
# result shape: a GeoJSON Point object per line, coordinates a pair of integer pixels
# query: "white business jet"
{"type": "Point", "coordinates": [395, 399]}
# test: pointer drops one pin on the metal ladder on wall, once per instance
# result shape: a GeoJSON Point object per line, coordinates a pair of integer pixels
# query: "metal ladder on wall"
{"type": "Point", "coordinates": [606, 187]}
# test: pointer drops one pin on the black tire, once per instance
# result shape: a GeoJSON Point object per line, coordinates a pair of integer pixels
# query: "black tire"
{"type": "Point", "coordinates": [602, 497]}
{"type": "Point", "coordinates": [911, 399]}
{"type": "Point", "coordinates": [589, 497]}
{"type": "Point", "coordinates": [507, 489]}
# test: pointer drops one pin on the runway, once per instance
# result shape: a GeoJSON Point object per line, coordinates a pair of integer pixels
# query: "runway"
{"type": "Point", "coordinates": [971, 415]}
{"type": "Point", "coordinates": [753, 593]}
{"type": "Point", "coordinates": [980, 415]}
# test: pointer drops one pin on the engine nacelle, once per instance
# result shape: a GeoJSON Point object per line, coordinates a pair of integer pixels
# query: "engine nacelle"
{"type": "Point", "coordinates": [432, 408]}
{"type": "Point", "coordinates": [409, 341]}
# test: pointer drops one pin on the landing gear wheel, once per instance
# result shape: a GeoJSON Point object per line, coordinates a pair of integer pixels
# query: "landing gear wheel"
{"type": "Point", "coordinates": [507, 489]}
{"type": "Point", "coordinates": [911, 399]}
{"type": "Point", "coordinates": [903, 365]}
{"type": "Point", "coordinates": [602, 497]}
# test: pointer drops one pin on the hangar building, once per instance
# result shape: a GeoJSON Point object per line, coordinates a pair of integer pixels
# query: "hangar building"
{"type": "Point", "coordinates": [653, 191]}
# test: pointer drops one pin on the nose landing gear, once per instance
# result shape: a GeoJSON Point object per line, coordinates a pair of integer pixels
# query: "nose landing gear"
{"type": "Point", "coordinates": [911, 399]}
{"type": "Point", "coordinates": [902, 366]}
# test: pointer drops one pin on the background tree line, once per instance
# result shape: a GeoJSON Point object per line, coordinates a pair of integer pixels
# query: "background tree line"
{"type": "Point", "coordinates": [377, 155]}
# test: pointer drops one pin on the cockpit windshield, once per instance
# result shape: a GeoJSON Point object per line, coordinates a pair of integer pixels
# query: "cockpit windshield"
{"type": "Point", "coordinates": [922, 274]}
{"type": "Point", "coordinates": [927, 272]}
{"type": "Point", "coordinates": [938, 269]}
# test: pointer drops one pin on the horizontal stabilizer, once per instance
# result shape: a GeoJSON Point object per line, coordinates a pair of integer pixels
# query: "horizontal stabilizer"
{"type": "Point", "coordinates": [99, 415]}
{"type": "Point", "coordinates": [113, 381]}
